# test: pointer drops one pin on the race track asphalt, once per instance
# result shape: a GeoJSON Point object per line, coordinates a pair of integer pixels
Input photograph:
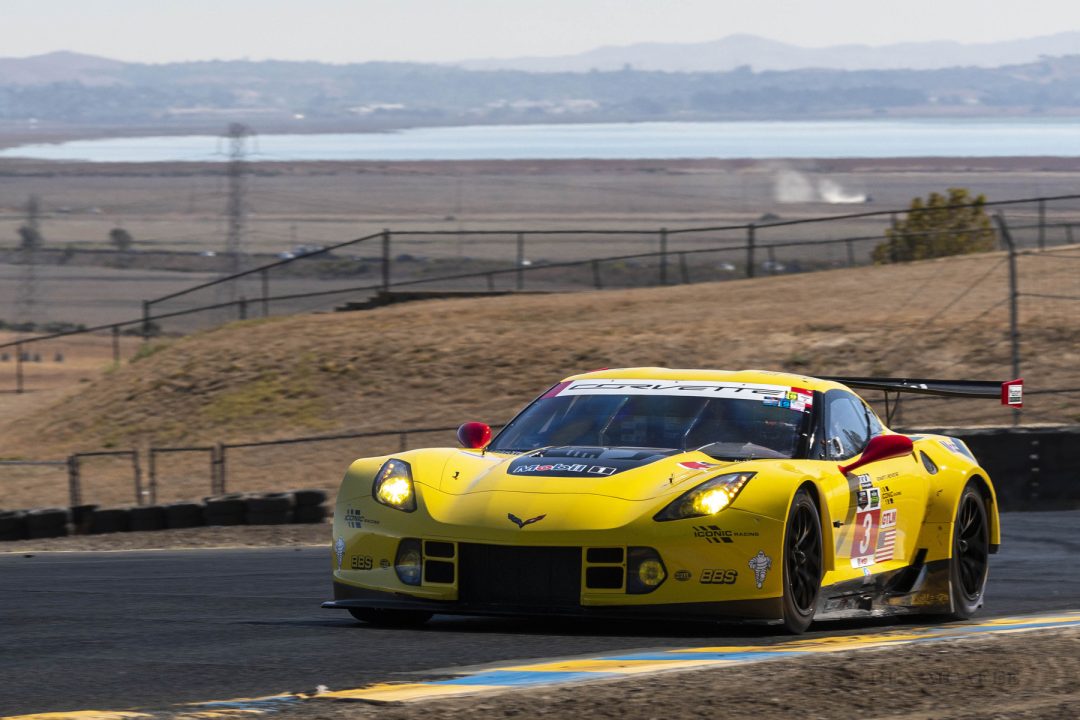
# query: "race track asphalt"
{"type": "Point", "coordinates": [146, 629]}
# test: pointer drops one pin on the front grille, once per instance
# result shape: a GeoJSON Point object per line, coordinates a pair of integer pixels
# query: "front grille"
{"type": "Point", "coordinates": [530, 576]}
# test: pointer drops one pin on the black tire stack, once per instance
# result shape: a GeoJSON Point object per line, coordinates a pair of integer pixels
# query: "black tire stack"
{"type": "Point", "coordinates": [229, 509]}
{"type": "Point", "coordinates": [270, 509]}
{"type": "Point", "coordinates": [309, 506]}
{"type": "Point", "coordinates": [12, 525]}
{"type": "Point", "coordinates": [46, 523]}
{"type": "Point", "coordinates": [279, 508]}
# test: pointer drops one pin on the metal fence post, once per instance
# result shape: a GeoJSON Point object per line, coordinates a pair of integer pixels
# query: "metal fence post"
{"type": "Point", "coordinates": [18, 367]}
{"type": "Point", "coordinates": [242, 307]}
{"type": "Point", "coordinates": [386, 260]}
{"type": "Point", "coordinates": [663, 256]}
{"type": "Point", "coordinates": [151, 480]}
{"type": "Point", "coordinates": [217, 476]}
{"type": "Point", "coordinates": [1042, 224]}
{"type": "Point", "coordinates": [74, 484]}
{"type": "Point", "coordinates": [265, 279]}
{"type": "Point", "coordinates": [750, 250]}
{"type": "Point", "coordinates": [1014, 310]}
{"type": "Point", "coordinates": [139, 499]}
{"type": "Point", "coordinates": [596, 280]}
{"type": "Point", "coordinates": [116, 344]}
{"type": "Point", "coordinates": [521, 261]}
{"type": "Point", "coordinates": [146, 320]}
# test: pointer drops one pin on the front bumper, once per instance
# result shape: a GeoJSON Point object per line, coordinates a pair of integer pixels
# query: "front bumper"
{"type": "Point", "coordinates": [349, 596]}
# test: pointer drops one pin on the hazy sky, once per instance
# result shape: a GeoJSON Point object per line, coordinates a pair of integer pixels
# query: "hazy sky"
{"type": "Point", "coordinates": [441, 30]}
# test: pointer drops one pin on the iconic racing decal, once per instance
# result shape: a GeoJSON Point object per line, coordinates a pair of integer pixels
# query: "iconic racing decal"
{"type": "Point", "coordinates": [522, 523]}
{"type": "Point", "coordinates": [558, 468]}
{"type": "Point", "coordinates": [887, 540]}
{"type": "Point", "coordinates": [760, 564]}
{"type": "Point", "coordinates": [339, 550]}
{"type": "Point", "coordinates": [695, 465]}
{"type": "Point", "coordinates": [716, 534]}
{"type": "Point", "coordinates": [867, 521]}
{"type": "Point", "coordinates": [864, 482]}
{"type": "Point", "coordinates": [778, 395]}
{"type": "Point", "coordinates": [683, 575]}
{"type": "Point", "coordinates": [584, 461]}
{"type": "Point", "coordinates": [355, 519]}
{"type": "Point", "coordinates": [719, 577]}
{"type": "Point", "coordinates": [360, 562]}
{"type": "Point", "coordinates": [888, 497]}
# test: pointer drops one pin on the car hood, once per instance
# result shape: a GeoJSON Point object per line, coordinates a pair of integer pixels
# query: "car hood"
{"type": "Point", "coordinates": [634, 474]}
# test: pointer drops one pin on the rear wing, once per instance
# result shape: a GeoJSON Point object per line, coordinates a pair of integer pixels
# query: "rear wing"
{"type": "Point", "coordinates": [1010, 393]}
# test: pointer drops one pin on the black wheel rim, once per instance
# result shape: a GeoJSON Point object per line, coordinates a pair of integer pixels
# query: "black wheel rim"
{"type": "Point", "coordinates": [804, 559]}
{"type": "Point", "coordinates": [972, 547]}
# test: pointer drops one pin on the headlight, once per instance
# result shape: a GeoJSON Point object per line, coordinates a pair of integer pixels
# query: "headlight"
{"type": "Point", "coordinates": [708, 498]}
{"type": "Point", "coordinates": [394, 486]}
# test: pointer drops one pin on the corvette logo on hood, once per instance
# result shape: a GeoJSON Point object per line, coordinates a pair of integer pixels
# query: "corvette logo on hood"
{"type": "Point", "coordinates": [522, 523]}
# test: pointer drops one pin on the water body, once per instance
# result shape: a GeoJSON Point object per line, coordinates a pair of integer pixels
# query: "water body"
{"type": "Point", "coordinates": [609, 141]}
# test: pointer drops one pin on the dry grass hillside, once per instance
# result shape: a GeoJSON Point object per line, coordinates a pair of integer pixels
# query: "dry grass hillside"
{"type": "Point", "coordinates": [443, 362]}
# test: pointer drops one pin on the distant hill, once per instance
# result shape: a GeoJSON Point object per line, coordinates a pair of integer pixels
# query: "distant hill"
{"type": "Point", "coordinates": [763, 54]}
{"type": "Point", "coordinates": [79, 91]}
{"type": "Point", "coordinates": [59, 67]}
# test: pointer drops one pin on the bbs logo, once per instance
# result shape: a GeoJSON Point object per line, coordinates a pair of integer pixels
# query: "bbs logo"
{"type": "Point", "coordinates": [719, 577]}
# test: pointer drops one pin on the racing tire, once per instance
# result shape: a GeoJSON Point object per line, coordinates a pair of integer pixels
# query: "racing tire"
{"type": "Point", "coordinates": [80, 518]}
{"type": "Point", "coordinates": [309, 498]}
{"type": "Point", "coordinates": [12, 525]}
{"type": "Point", "coordinates": [225, 509]}
{"type": "Point", "coordinates": [969, 563]}
{"type": "Point", "coordinates": [183, 515]}
{"type": "Point", "coordinates": [802, 563]}
{"type": "Point", "coordinates": [110, 520]}
{"type": "Point", "coordinates": [379, 617]}
{"type": "Point", "coordinates": [147, 518]}
{"type": "Point", "coordinates": [46, 523]}
{"type": "Point", "coordinates": [284, 517]}
{"type": "Point", "coordinates": [310, 514]}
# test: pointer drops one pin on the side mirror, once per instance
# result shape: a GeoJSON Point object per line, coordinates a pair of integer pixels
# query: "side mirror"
{"type": "Point", "coordinates": [882, 447]}
{"type": "Point", "coordinates": [474, 435]}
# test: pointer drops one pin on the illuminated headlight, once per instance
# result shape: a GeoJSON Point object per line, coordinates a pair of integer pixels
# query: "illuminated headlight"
{"type": "Point", "coordinates": [394, 486]}
{"type": "Point", "coordinates": [708, 498]}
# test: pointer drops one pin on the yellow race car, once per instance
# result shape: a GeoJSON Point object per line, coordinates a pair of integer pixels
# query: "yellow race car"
{"type": "Point", "coordinates": [676, 494]}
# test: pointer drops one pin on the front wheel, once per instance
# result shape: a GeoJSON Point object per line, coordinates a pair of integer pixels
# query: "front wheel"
{"type": "Point", "coordinates": [970, 554]}
{"type": "Point", "coordinates": [380, 617]}
{"type": "Point", "coordinates": [802, 563]}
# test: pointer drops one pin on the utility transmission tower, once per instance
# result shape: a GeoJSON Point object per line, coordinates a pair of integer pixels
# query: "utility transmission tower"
{"type": "Point", "coordinates": [237, 135]}
{"type": "Point", "coordinates": [29, 243]}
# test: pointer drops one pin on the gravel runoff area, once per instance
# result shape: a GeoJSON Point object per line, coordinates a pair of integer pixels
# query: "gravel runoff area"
{"type": "Point", "coordinates": [1026, 676]}
{"type": "Point", "coordinates": [201, 537]}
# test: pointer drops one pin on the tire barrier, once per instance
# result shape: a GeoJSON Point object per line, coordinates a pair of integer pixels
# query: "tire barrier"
{"type": "Point", "coordinates": [227, 509]}
{"type": "Point", "coordinates": [183, 515]}
{"type": "Point", "coordinates": [110, 520]}
{"type": "Point", "coordinates": [279, 508]}
{"type": "Point", "coordinates": [12, 525]}
{"type": "Point", "coordinates": [270, 509]}
{"type": "Point", "coordinates": [46, 523]}
{"type": "Point", "coordinates": [150, 517]}
{"type": "Point", "coordinates": [80, 518]}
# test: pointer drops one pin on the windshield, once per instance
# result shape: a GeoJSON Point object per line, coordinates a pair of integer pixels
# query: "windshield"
{"type": "Point", "coordinates": [725, 420]}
